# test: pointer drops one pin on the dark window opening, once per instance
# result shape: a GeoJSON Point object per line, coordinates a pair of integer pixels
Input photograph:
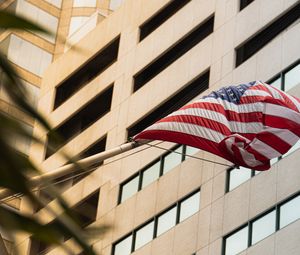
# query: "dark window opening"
{"type": "Point", "coordinates": [245, 3]}
{"type": "Point", "coordinates": [160, 17]}
{"type": "Point", "coordinates": [173, 53]}
{"type": "Point", "coordinates": [105, 58]}
{"type": "Point", "coordinates": [85, 117]}
{"type": "Point", "coordinates": [189, 91]}
{"type": "Point", "coordinates": [84, 213]}
{"type": "Point", "coordinates": [250, 47]}
{"type": "Point", "coordinates": [69, 180]}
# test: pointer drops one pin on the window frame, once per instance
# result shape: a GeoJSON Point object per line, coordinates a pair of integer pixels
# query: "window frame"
{"type": "Point", "coordinates": [155, 218]}
{"type": "Point", "coordinates": [250, 222]}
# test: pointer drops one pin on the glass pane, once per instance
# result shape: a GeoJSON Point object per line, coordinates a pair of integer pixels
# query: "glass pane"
{"type": "Point", "coordinates": [238, 176]}
{"type": "Point", "coordinates": [273, 161]}
{"type": "Point", "coordinates": [173, 159]}
{"type": "Point", "coordinates": [84, 3]}
{"type": "Point", "coordinates": [290, 212]}
{"type": "Point", "coordinates": [276, 83]}
{"type": "Point", "coordinates": [76, 23]}
{"type": "Point", "coordinates": [191, 150]}
{"type": "Point", "coordinates": [130, 188]}
{"type": "Point", "coordinates": [263, 227]}
{"type": "Point", "coordinates": [189, 206]}
{"type": "Point", "coordinates": [144, 235]}
{"type": "Point", "coordinates": [151, 174]}
{"type": "Point", "coordinates": [123, 247]}
{"type": "Point", "coordinates": [294, 148]}
{"type": "Point", "coordinates": [292, 78]}
{"type": "Point", "coordinates": [237, 242]}
{"type": "Point", "coordinates": [166, 221]}
{"type": "Point", "coordinates": [114, 4]}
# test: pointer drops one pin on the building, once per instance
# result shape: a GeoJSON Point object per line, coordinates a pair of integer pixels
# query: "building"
{"type": "Point", "coordinates": [31, 53]}
{"type": "Point", "coordinates": [143, 61]}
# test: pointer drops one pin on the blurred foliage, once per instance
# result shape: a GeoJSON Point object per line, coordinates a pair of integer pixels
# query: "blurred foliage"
{"type": "Point", "coordinates": [15, 168]}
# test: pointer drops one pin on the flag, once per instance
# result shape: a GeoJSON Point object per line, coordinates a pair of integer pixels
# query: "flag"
{"type": "Point", "coordinates": [248, 124]}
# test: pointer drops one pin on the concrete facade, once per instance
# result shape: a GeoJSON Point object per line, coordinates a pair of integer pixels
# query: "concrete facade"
{"type": "Point", "coordinates": [220, 212]}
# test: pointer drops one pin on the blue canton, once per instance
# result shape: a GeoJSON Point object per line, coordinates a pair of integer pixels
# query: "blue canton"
{"type": "Point", "coordinates": [231, 94]}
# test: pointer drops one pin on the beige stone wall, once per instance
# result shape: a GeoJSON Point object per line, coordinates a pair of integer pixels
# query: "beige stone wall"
{"type": "Point", "coordinates": [219, 213]}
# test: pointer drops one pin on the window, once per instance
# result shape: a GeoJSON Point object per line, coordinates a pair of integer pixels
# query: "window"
{"type": "Point", "coordinates": [288, 78]}
{"type": "Point", "coordinates": [100, 62]}
{"type": "Point", "coordinates": [166, 221]}
{"type": "Point", "coordinates": [144, 235]}
{"type": "Point", "coordinates": [85, 212]}
{"type": "Point", "coordinates": [187, 93]}
{"type": "Point", "coordinates": [245, 3]}
{"type": "Point", "coordinates": [157, 225]}
{"type": "Point", "coordinates": [292, 78]}
{"type": "Point", "coordinates": [237, 176]}
{"type": "Point", "coordinates": [151, 174]}
{"type": "Point", "coordinates": [189, 206]}
{"type": "Point", "coordinates": [237, 242]}
{"type": "Point", "coordinates": [84, 3]}
{"type": "Point", "coordinates": [85, 117]}
{"type": "Point", "coordinates": [290, 211]}
{"type": "Point", "coordinates": [191, 150]}
{"type": "Point", "coordinates": [76, 23]}
{"type": "Point", "coordinates": [253, 45]}
{"type": "Point", "coordinates": [161, 16]}
{"type": "Point", "coordinates": [57, 3]}
{"type": "Point", "coordinates": [153, 171]}
{"type": "Point", "coordinates": [129, 189]}
{"type": "Point", "coordinates": [115, 4]}
{"type": "Point", "coordinates": [172, 159]}
{"type": "Point", "coordinates": [21, 53]}
{"type": "Point", "coordinates": [39, 17]}
{"type": "Point", "coordinates": [173, 53]}
{"type": "Point", "coordinates": [263, 227]}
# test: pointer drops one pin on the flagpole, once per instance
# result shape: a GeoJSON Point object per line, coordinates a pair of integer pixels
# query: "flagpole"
{"type": "Point", "coordinates": [80, 164]}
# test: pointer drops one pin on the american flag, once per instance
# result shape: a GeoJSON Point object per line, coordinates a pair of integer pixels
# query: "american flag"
{"type": "Point", "coordinates": [248, 124]}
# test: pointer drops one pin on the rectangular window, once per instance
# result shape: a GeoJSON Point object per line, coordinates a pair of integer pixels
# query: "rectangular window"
{"type": "Point", "coordinates": [189, 206]}
{"type": "Point", "coordinates": [21, 52]}
{"type": "Point", "coordinates": [160, 17]}
{"type": "Point", "coordinates": [290, 211]}
{"type": "Point", "coordinates": [87, 72]}
{"type": "Point", "coordinates": [166, 221]}
{"type": "Point", "coordinates": [187, 93]}
{"type": "Point", "coordinates": [237, 176]}
{"type": "Point", "coordinates": [256, 230]}
{"type": "Point", "coordinates": [173, 53]}
{"type": "Point", "coordinates": [191, 150]}
{"type": "Point", "coordinates": [129, 188]}
{"type": "Point", "coordinates": [39, 17]}
{"type": "Point", "coordinates": [151, 174]}
{"type": "Point", "coordinates": [85, 117]}
{"type": "Point", "coordinates": [253, 45]}
{"type": "Point", "coordinates": [157, 225]}
{"type": "Point", "coordinates": [172, 159]}
{"type": "Point", "coordinates": [124, 247]}
{"type": "Point", "coordinates": [144, 235]}
{"type": "Point", "coordinates": [263, 227]}
{"type": "Point", "coordinates": [237, 242]}
{"type": "Point", "coordinates": [84, 3]}
{"type": "Point", "coordinates": [245, 3]}
{"type": "Point", "coordinates": [292, 78]}
{"type": "Point", "coordinates": [85, 212]}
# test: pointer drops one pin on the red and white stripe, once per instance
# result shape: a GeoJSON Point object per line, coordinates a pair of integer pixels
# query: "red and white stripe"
{"type": "Point", "coordinates": [264, 125]}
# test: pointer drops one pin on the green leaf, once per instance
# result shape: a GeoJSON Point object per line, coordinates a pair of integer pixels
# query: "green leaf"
{"type": "Point", "coordinates": [9, 20]}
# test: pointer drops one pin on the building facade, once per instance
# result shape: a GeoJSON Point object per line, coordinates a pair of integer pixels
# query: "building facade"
{"type": "Point", "coordinates": [31, 53]}
{"type": "Point", "coordinates": [145, 60]}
